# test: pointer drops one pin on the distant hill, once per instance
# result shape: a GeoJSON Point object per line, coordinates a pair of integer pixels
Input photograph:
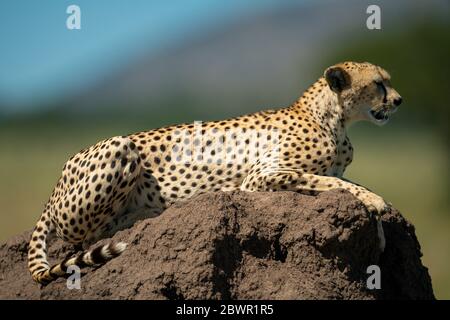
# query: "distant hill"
{"type": "Point", "coordinates": [260, 61]}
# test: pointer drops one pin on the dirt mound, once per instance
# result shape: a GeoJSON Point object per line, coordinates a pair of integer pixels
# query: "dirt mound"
{"type": "Point", "coordinates": [241, 245]}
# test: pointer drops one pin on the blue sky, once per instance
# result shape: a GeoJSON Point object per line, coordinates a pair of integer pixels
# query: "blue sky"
{"type": "Point", "coordinates": [40, 59]}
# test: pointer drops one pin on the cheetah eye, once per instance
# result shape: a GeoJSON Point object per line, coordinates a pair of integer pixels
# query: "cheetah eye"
{"type": "Point", "coordinates": [382, 88]}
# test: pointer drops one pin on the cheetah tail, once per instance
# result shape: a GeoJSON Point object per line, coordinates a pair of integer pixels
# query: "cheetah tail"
{"type": "Point", "coordinates": [94, 257]}
{"type": "Point", "coordinates": [38, 265]}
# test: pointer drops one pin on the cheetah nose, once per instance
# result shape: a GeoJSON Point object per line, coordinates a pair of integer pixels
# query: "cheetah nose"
{"type": "Point", "coordinates": [397, 101]}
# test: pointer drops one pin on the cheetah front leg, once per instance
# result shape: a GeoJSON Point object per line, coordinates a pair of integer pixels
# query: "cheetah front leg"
{"type": "Point", "coordinates": [293, 180]}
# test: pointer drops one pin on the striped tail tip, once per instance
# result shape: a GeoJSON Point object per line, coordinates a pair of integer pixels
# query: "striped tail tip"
{"type": "Point", "coordinates": [94, 257]}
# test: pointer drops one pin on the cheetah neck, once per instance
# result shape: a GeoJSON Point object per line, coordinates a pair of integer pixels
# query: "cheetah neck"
{"type": "Point", "coordinates": [322, 106]}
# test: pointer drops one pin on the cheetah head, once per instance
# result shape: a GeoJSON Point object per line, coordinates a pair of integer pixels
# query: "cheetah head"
{"type": "Point", "coordinates": [364, 91]}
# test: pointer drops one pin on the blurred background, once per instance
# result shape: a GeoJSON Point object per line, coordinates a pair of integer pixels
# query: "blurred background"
{"type": "Point", "coordinates": [139, 65]}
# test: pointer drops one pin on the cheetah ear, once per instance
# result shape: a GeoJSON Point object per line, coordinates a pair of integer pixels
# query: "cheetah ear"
{"type": "Point", "coordinates": [337, 79]}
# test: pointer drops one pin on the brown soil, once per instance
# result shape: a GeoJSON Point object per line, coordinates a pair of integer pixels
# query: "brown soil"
{"type": "Point", "coordinates": [241, 245]}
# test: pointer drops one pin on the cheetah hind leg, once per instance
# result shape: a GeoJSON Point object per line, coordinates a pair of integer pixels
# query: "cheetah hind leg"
{"type": "Point", "coordinates": [122, 222]}
{"type": "Point", "coordinates": [128, 219]}
{"type": "Point", "coordinates": [103, 253]}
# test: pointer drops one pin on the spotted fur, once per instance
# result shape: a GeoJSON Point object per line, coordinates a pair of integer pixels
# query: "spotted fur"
{"type": "Point", "coordinates": [303, 148]}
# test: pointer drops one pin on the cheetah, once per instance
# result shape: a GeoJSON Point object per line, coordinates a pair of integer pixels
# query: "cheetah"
{"type": "Point", "coordinates": [303, 148]}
